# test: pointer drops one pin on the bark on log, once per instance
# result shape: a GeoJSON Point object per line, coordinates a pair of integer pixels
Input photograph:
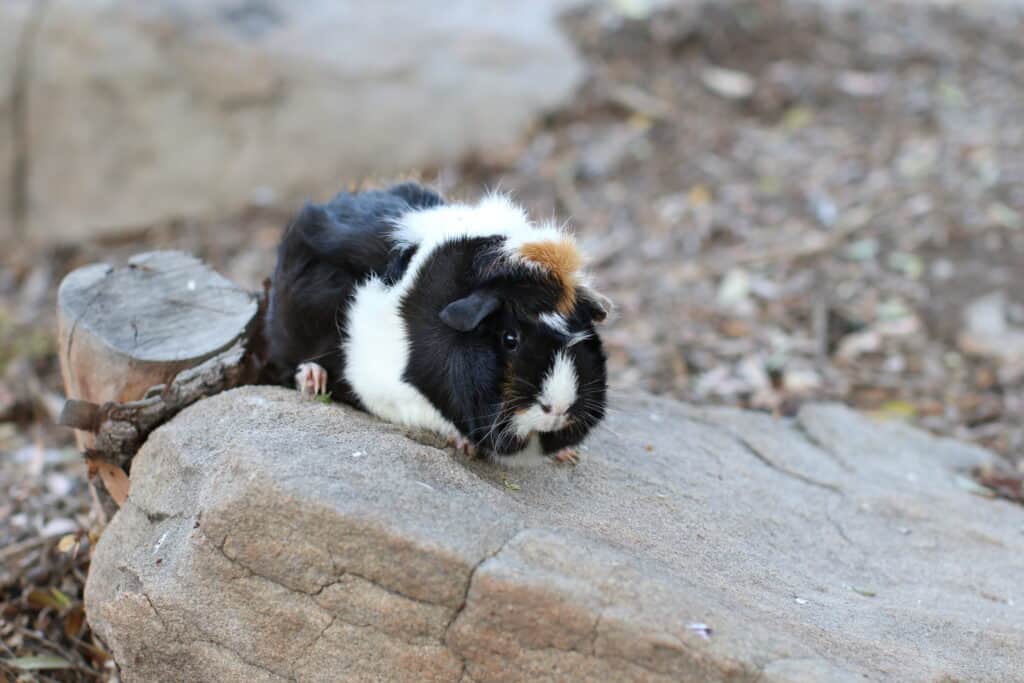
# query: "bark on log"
{"type": "Point", "coordinates": [138, 343]}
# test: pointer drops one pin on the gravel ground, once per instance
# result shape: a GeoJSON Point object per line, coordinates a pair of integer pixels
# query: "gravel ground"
{"type": "Point", "coordinates": [785, 203]}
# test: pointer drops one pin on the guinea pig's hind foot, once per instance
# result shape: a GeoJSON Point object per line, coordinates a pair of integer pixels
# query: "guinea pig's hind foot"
{"type": "Point", "coordinates": [311, 379]}
{"type": "Point", "coordinates": [567, 456]}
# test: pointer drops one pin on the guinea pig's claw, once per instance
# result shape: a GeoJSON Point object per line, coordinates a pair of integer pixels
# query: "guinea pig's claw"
{"type": "Point", "coordinates": [311, 379]}
{"type": "Point", "coordinates": [567, 456]}
{"type": "Point", "coordinates": [463, 445]}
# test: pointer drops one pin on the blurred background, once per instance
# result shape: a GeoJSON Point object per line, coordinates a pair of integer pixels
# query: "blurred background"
{"type": "Point", "coordinates": [788, 200]}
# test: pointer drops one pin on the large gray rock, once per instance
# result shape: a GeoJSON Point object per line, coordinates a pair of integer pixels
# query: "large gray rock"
{"type": "Point", "coordinates": [140, 112]}
{"type": "Point", "coordinates": [268, 538]}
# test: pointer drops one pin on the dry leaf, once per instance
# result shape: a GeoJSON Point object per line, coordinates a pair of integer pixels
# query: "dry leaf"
{"type": "Point", "coordinates": [113, 478]}
{"type": "Point", "coordinates": [971, 486]}
{"type": "Point", "coordinates": [74, 621]}
{"type": "Point", "coordinates": [40, 662]}
{"type": "Point", "coordinates": [728, 83]}
{"type": "Point", "coordinates": [61, 598]}
{"type": "Point", "coordinates": [41, 599]}
{"type": "Point", "coordinates": [1009, 485]}
{"type": "Point", "coordinates": [67, 543]}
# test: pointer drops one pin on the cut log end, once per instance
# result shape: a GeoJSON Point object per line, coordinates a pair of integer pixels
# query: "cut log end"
{"type": "Point", "coordinates": [140, 341]}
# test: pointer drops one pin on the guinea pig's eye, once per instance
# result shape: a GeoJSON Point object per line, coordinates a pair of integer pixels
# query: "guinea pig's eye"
{"type": "Point", "coordinates": [510, 339]}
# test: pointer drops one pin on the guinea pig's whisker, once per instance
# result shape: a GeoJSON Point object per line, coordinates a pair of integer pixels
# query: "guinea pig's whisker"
{"type": "Point", "coordinates": [499, 424]}
{"type": "Point", "coordinates": [319, 356]}
{"type": "Point", "coordinates": [604, 426]}
{"type": "Point", "coordinates": [524, 381]}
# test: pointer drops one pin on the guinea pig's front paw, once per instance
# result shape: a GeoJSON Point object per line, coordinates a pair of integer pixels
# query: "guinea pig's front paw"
{"type": "Point", "coordinates": [311, 379]}
{"type": "Point", "coordinates": [567, 456]}
{"type": "Point", "coordinates": [463, 445]}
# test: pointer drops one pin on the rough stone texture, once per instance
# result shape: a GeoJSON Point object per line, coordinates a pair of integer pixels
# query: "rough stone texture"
{"type": "Point", "coordinates": [140, 112]}
{"type": "Point", "coordinates": [268, 538]}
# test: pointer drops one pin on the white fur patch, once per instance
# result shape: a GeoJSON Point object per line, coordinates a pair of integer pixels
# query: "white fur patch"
{"type": "Point", "coordinates": [377, 352]}
{"type": "Point", "coordinates": [577, 337]}
{"type": "Point", "coordinates": [558, 392]}
{"type": "Point", "coordinates": [560, 387]}
{"type": "Point", "coordinates": [494, 216]}
{"type": "Point", "coordinates": [556, 322]}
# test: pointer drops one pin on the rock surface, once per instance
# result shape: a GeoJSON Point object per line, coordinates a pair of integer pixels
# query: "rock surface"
{"type": "Point", "coordinates": [143, 112]}
{"type": "Point", "coordinates": [267, 538]}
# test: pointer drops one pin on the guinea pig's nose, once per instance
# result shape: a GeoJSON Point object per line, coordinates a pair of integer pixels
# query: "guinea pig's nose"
{"type": "Point", "coordinates": [546, 407]}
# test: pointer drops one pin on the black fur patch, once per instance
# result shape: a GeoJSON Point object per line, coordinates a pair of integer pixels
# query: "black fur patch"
{"type": "Point", "coordinates": [458, 372]}
{"type": "Point", "coordinates": [325, 253]}
{"type": "Point", "coordinates": [469, 376]}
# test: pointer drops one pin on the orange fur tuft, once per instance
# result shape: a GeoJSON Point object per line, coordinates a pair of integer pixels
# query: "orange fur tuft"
{"type": "Point", "coordinates": [563, 260]}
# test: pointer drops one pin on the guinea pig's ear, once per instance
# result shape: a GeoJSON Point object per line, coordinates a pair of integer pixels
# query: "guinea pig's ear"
{"type": "Point", "coordinates": [600, 305]}
{"type": "Point", "coordinates": [466, 313]}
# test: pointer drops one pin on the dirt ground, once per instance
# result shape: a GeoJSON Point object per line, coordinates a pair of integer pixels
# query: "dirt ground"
{"type": "Point", "coordinates": [786, 204]}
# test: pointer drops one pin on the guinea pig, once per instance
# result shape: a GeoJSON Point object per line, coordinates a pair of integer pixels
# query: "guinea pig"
{"type": "Point", "coordinates": [464, 319]}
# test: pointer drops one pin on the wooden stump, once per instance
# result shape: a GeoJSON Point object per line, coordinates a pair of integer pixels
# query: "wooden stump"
{"type": "Point", "coordinates": [138, 343]}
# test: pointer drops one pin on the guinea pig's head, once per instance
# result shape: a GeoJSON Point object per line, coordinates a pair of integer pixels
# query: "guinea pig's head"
{"type": "Point", "coordinates": [532, 323]}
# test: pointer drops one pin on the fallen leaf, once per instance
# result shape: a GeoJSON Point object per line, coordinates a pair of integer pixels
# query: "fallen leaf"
{"type": "Point", "coordinates": [42, 599]}
{"type": "Point", "coordinates": [866, 592]}
{"type": "Point", "coordinates": [1004, 216]}
{"type": "Point", "coordinates": [113, 478]}
{"type": "Point", "coordinates": [906, 263]}
{"type": "Point", "coordinates": [971, 486]}
{"type": "Point", "coordinates": [61, 598]}
{"type": "Point", "coordinates": [733, 85]}
{"type": "Point", "coordinates": [511, 486]}
{"type": "Point", "coordinates": [636, 10]}
{"type": "Point", "coordinates": [896, 410]}
{"type": "Point", "coordinates": [1009, 485]}
{"type": "Point", "coordinates": [734, 290]}
{"type": "Point", "coordinates": [98, 654]}
{"type": "Point", "coordinates": [862, 250]}
{"type": "Point", "coordinates": [797, 118]}
{"type": "Point", "coordinates": [74, 620]}
{"type": "Point", "coordinates": [39, 662]}
{"type": "Point", "coordinates": [863, 83]}
{"type": "Point", "coordinates": [67, 543]}
{"type": "Point", "coordinates": [699, 195]}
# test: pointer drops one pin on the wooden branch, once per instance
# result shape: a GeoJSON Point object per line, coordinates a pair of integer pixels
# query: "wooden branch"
{"type": "Point", "coordinates": [140, 342]}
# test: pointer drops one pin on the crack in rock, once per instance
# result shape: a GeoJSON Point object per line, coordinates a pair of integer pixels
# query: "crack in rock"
{"type": "Point", "coordinates": [785, 470]}
{"type": "Point", "coordinates": [240, 658]}
{"type": "Point", "coordinates": [446, 638]}
{"type": "Point", "coordinates": [179, 637]}
{"type": "Point", "coordinates": [801, 428]}
{"type": "Point", "coordinates": [748, 446]}
{"type": "Point", "coordinates": [305, 650]}
{"type": "Point", "coordinates": [585, 646]}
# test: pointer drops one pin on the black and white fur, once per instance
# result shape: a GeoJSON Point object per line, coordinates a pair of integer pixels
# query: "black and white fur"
{"type": "Point", "coordinates": [426, 314]}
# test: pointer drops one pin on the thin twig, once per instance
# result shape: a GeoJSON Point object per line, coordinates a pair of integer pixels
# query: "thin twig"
{"type": "Point", "coordinates": [24, 546]}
